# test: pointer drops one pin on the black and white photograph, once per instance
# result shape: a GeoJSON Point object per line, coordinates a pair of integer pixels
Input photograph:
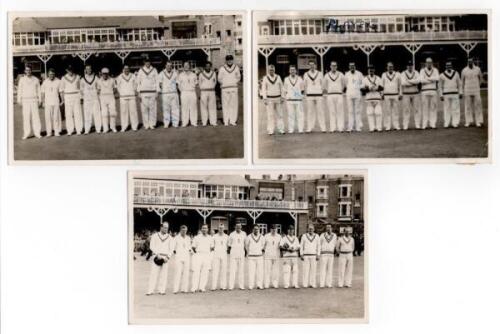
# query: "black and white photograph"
{"type": "Point", "coordinates": [126, 87]}
{"type": "Point", "coordinates": [247, 248]}
{"type": "Point", "coordinates": [370, 86]}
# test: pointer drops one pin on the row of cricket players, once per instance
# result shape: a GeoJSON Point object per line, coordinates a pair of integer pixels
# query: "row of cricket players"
{"type": "Point", "coordinates": [197, 256]}
{"type": "Point", "coordinates": [99, 94]}
{"type": "Point", "coordinates": [418, 92]}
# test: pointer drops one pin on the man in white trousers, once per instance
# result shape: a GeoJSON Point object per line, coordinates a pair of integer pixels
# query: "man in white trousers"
{"type": "Point", "coordinates": [429, 78]}
{"type": "Point", "coordinates": [148, 89]}
{"type": "Point", "coordinates": [229, 77]}
{"type": "Point", "coordinates": [391, 81]}
{"type": "Point", "coordinates": [471, 80]}
{"type": "Point", "coordinates": [29, 97]}
{"type": "Point", "coordinates": [161, 247]}
{"type": "Point", "coordinates": [353, 83]}
{"type": "Point", "coordinates": [236, 247]}
{"type": "Point", "coordinates": [219, 261]}
{"type": "Point", "coordinates": [450, 89]}
{"type": "Point", "coordinates": [203, 246]}
{"type": "Point", "coordinates": [254, 245]}
{"type": "Point", "coordinates": [187, 82]}
{"type": "Point", "coordinates": [334, 85]}
{"type": "Point", "coordinates": [309, 254]}
{"type": "Point", "coordinates": [127, 88]}
{"type": "Point", "coordinates": [169, 95]}
{"type": "Point", "coordinates": [327, 243]}
{"type": "Point", "coordinates": [313, 88]}
{"type": "Point", "coordinates": [372, 85]}
{"type": "Point", "coordinates": [345, 248]}
{"type": "Point", "coordinates": [272, 90]}
{"type": "Point", "coordinates": [70, 90]}
{"type": "Point", "coordinates": [51, 103]}
{"type": "Point", "coordinates": [91, 105]}
{"type": "Point", "coordinates": [293, 91]}
{"type": "Point", "coordinates": [290, 247]}
{"type": "Point", "coordinates": [410, 90]}
{"type": "Point", "coordinates": [106, 87]}
{"type": "Point", "coordinates": [208, 109]}
{"type": "Point", "coordinates": [271, 258]}
{"type": "Point", "coordinates": [182, 250]}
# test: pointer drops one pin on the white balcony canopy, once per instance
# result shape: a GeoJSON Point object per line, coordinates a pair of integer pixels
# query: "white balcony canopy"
{"type": "Point", "coordinates": [226, 180]}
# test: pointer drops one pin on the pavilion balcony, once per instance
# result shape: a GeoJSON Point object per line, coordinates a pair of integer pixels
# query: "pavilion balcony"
{"type": "Point", "coordinates": [215, 203]}
{"type": "Point", "coordinates": [109, 46]}
{"type": "Point", "coordinates": [352, 38]}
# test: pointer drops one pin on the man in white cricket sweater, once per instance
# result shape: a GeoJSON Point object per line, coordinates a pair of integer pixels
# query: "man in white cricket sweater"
{"type": "Point", "coordinates": [161, 247]}
{"type": "Point", "coordinates": [182, 250]}
{"type": "Point", "coordinates": [309, 254]}
{"type": "Point", "coordinates": [451, 93]}
{"type": "Point", "coordinates": [471, 81]}
{"type": "Point", "coordinates": [207, 80]}
{"type": "Point", "coordinates": [334, 85]}
{"type": "Point", "coordinates": [203, 246]}
{"type": "Point", "coordinates": [254, 245]}
{"type": "Point", "coordinates": [272, 89]}
{"type": "Point", "coordinates": [29, 97]}
{"type": "Point", "coordinates": [187, 82]}
{"type": "Point", "coordinates": [353, 83]}
{"type": "Point", "coordinates": [372, 84]}
{"type": "Point", "coordinates": [327, 243]}
{"type": "Point", "coordinates": [313, 88]}
{"type": "Point", "coordinates": [106, 87]}
{"type": "Point", "coordinates": [236, 249]}
{"type": "Point", "coordinates": [290, 247]}
{"type": "Point", "coordinates": [391, 81]}
{"type": "Point", "coordinates": [148, 88]}
{"type": "Point", "coordinates": [429, 77]}
{"type": "Point", "coordinates": [271, 258]}
{"type": "Point", "coordinates": [169, 95]}
{"type": "Point", "coordinates": [51, 103]}
{"type": "Point", "coordinates": [229, 77]}
{"type": "Point", "coordinates": [91, 105]}
{"type": "Point", "coordinates": [345, 248]}
{"type": "Point", "coordinates": [219, 261]}
{"type": "Point", "coordinates": [410, 90]}
{"type": "Point", "coordinates": [70, 90]}
{"type": "Point", "coordinates": [127, 88]}
{"type": "Point", "coordinates": [293, 90]}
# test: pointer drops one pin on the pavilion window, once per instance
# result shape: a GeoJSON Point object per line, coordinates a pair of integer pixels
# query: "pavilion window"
{"type": "Point", "coordinates": [318, 26]}
{"type": "Point", "coordinates": [296, 27]}
{"type": "Point", "coordinates": [303, 27]}
{"type": "Point", "coordinates": [311, 27]}
{"type": "Point", "coordinates": [289, 27]}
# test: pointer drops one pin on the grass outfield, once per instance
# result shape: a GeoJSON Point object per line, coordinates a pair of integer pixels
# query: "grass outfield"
{"type": "Point", "coordinates": [463, 142]}
{"type": "Point", "coordinates": [337, 303]}
{"type": "Point", "coordinates": [221, 142]}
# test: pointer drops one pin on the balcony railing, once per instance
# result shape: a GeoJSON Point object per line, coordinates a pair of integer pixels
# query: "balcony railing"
{"type": "Point", "coordinates": [119, 45]}
{"type": "Point", "coordinates": [373, 37]}
{"type": "Point", "coordinates": [222, 203]}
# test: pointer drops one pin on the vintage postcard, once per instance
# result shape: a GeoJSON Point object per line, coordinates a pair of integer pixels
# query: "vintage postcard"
{"type": "Point", "coordinates": [117, 87]}
{"type": "Point", "coordinates": [361, 86]}
{"type": "Point", "coordinates": [248, 247]}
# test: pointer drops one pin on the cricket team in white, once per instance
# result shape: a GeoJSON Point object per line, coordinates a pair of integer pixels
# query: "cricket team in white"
{"type": "Point", "coordinates": [205, 254]}
{"type": "Point", "coordinates": [335, 93]}
{"type": "Point", "coordinates": [99, 96]}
